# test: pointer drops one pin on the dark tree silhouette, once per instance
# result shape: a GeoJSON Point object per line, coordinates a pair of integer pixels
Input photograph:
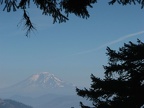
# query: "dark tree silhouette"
{"type": "Point", "coordinates": [123, 84]}
{"type": "Point", "coordinates": [58, 9]}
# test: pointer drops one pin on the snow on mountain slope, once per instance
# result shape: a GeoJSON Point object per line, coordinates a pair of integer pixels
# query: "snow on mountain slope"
{"type": "Point", "coordinates": [42, 80]}
{"type": "Point", "coordinates": [40, 83]}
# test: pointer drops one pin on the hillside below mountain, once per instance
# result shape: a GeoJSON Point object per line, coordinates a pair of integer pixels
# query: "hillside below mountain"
{"type": "Point", "coordinates": [53, 101]}
{"type": "Point", "coordinates": [7, 103]}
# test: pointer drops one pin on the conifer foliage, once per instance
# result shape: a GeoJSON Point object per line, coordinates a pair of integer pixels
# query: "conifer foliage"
{"type": "Point", "coordinates": [59, 10]}
{"type": "Point", "coordinates": [123, 84]}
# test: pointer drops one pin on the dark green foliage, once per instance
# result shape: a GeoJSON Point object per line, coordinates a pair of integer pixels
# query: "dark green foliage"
{"type": "Point", "coordinates": [58, 9]}
{"type": "Point", "coordinates": [125, 2]}
{"type": "Point", "coordinates": [123, 85]}
{"type": "Point", "coordinates": [12, 104]}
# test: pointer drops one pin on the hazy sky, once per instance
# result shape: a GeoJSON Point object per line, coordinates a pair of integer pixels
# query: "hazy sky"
{"type": "Point", "coordinates": [72, 50]}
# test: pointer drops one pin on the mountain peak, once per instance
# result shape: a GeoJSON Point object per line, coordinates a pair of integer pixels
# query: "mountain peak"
{"type": "Point", "coordinates": [43, 80]}
{"type": "Point", "coordinates": [46, 73]}
{"type": "Point", "coordinates": [42, 76]}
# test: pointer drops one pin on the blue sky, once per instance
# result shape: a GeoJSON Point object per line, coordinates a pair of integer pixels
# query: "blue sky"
{"type": "Point", "coordinates": [71, 50]}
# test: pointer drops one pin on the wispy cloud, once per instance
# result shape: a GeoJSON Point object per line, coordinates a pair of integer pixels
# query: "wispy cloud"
{"type": "Point", "coordinates": [111, 43]}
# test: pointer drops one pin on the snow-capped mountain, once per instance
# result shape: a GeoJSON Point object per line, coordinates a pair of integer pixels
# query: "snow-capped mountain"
{"type": "Point", "coordinates": [43, 90]}
{"type": "Point", "coordinates": [42, 80]}
{"type": "Point", "coordinates": [40, 83]}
